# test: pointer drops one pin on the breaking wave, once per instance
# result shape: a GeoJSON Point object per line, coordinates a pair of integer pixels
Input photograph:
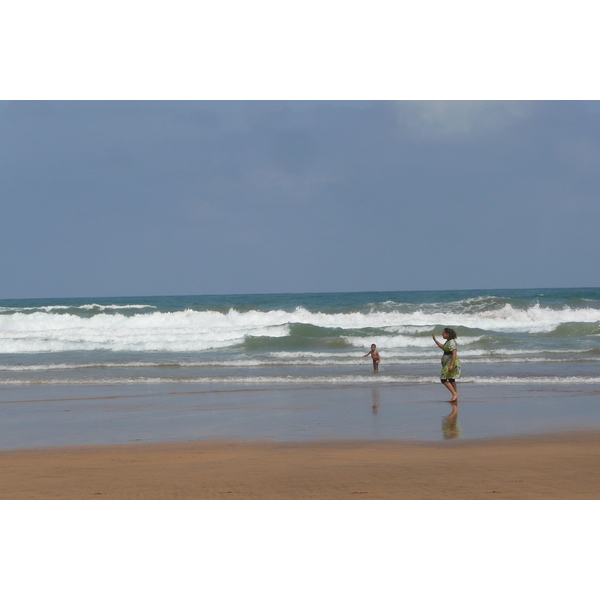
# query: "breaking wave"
{"type": "Point", "coordinates": [139, 327]}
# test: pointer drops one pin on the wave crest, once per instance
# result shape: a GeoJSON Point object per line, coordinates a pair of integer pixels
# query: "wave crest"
{"type": "Point", "coordinates": [191, 330]}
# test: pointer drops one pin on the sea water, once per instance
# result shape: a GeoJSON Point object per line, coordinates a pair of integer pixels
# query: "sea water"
{"type": "Point", "coordinates": [545, 336]}
{"type": "Point", "coordinates": [290, 366]}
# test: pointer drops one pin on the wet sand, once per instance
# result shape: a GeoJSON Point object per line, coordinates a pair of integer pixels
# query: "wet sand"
{"type": "Point", "coordinates": [549, 466]}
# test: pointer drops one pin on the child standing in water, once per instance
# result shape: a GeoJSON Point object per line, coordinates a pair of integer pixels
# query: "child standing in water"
{"type": "Point", "coordinates": [450, 361]}
{"type": "Point", "coordinates": [375, 356]}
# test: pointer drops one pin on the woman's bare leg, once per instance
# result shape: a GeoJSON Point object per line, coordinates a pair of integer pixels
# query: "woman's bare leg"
{"type": "Point", "coordinates": [455, 390]}
{"type": "Point", "coordinates": [452, 388]}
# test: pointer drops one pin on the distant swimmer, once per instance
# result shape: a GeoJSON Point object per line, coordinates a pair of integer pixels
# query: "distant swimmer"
{"type": "Point", "coordinates": [450, 361]}
{"type": "Point", "coordinates": [375, 356]}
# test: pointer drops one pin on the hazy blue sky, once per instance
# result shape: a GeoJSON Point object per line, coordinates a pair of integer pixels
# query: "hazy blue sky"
{"type": "Point", "coordinates": [149, 197]}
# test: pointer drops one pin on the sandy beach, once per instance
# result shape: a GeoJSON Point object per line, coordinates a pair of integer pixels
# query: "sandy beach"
{"type": "Point", "coordinates": [362, 442]}
{"type": "Point", "coordinates": [564, 466]}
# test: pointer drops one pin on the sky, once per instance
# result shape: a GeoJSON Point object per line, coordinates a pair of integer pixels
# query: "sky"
{"type": "Point", "coordinates": [217, 148]}
{"type": "Point", "coordinates": [127, 198]}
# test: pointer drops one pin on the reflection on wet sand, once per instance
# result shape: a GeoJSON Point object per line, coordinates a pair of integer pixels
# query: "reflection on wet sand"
{"type": "Point", "coordinates": [450, 425]}
{"type": "Point", "coordinates": [375, 392]}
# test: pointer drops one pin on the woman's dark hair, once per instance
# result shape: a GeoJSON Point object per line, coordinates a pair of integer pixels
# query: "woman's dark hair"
{"type": "Point", "coordinates": [451, 333]}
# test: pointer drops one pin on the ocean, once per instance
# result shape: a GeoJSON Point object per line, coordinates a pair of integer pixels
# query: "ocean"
{"type": "Point", "coordinates": [287, 350]}
{"type": "Point", "coordinates": [547, 336]}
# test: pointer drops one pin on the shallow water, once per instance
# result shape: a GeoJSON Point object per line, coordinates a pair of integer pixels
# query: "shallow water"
{"type": "Point", "coordinates": [38, 416]}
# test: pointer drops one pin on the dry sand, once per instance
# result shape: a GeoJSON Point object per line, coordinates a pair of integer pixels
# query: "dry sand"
{"type": "Point", "coordinates": [534, 467]}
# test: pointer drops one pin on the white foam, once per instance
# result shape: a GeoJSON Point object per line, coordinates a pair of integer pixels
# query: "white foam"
{"type": "Point", "coordinates": [403, 341]}
{"type": "Point", "coordinates": [172, 332]}
{"type": "Point", "coordinates": [58, 307]}
{"type": "Point", "coordinates": [319, 360]}
{"type": "Point", "coordinates": [114, 306]}
{"type": "Point", "coordinates": [249, 380]}
{"type": "Point", "coordinates": [518, 351]}
{"type": "Point", "coordinates": [532, 380]}
{"type": "Point", "coordinates": [319, 380]}
{"type": "Point", "coordinates": [192, 330]}
{"type": "Point", "coordinates": [133, 365]}
{"type": "Point", "coordinates": [19, 309]}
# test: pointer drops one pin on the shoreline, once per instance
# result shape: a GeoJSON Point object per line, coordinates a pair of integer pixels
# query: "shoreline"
{"type": "Point", "coordinates": [45, 416]}
{"type": "Point", "coordinates": [562, 466]}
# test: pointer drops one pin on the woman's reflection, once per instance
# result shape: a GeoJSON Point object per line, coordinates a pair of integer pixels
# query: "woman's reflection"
{"type": "Point", "coordinates": [450, 425]}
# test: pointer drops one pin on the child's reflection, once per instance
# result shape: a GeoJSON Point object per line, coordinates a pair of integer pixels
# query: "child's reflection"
{"type": "Point", "coordinates": [450, 425]}
{"type": "Point", "coordinates": [375, 392]}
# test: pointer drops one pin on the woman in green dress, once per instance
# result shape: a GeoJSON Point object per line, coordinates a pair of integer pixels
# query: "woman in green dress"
{"type": "Point", "coordinates": [450, 362]}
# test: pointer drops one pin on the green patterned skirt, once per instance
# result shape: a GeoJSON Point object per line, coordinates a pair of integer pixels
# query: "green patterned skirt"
{"type": "Point", "coordinates": [455, 373]}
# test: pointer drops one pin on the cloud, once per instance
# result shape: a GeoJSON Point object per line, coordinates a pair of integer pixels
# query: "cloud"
{"type": "Point", "coordinates": [459, 120]}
